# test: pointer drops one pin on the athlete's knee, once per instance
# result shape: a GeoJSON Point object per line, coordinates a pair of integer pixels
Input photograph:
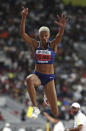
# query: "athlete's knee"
{"type": "Point", "coordinates": [29, 79]}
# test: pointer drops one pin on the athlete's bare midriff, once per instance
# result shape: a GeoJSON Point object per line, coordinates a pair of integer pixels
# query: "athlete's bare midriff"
{"type": "Point", "coordinates": [44, 68]}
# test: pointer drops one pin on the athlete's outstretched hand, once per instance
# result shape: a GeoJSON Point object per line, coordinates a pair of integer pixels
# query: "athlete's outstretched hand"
{"type": "Point", "coordinates": [24, 12]}
{"type": "Point", "coordinates": [62, 20]}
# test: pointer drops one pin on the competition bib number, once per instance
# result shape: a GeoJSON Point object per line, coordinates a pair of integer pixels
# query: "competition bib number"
{"type": "Point", "coordinates": [43, 55]}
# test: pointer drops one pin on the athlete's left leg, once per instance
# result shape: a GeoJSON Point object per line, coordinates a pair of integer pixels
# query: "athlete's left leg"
{"type": "Point", "coordinates": [52, 97]}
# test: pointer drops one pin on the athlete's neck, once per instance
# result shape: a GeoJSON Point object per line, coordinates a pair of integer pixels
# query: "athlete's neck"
{"type": "Point", "coordinates": [44, 46]}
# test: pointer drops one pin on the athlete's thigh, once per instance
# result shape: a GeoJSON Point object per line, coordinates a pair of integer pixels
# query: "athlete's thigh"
{"type": "Point", "coordinates": [51, 92]}
{"type": "Point", "coordinates": [34, 78]}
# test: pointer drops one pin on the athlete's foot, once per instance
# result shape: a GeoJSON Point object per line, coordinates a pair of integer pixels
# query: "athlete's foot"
{"type": "Point", "coordinates": [35, 113]}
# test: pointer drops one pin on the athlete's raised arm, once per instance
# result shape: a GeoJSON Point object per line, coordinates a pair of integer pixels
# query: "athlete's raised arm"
{"type": "Point", "coordinates": [61, 23]}
{"type": "Point", "coordinates": [25, 36]}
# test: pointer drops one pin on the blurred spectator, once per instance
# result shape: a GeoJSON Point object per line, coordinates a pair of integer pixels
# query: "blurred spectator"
{"type": "Point", "coordinates": [7, 127]}
{"type": "Point", "coordinates": [23, 115]}
{"type": "Point", "coordinates": [57, 124]}
{"type": "Point", "coordinates": [1, 117]}
{"type": "Point", "coordinates": [79, 118]}
{"type": "Point", "coordinates": [22, 129]}
{"type": "Point", "coordinates": [39, 129]}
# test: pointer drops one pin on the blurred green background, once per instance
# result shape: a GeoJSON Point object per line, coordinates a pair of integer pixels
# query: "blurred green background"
{"type": "Point", "coordinates": [75, 2]}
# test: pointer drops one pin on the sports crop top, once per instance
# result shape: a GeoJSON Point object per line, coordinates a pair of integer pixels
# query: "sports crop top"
{"type": "Point", "coordinates": [46, 56]}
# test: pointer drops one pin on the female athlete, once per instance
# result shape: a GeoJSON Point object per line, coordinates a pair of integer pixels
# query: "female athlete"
{"type": "Point", "coordinates": [44, 54]}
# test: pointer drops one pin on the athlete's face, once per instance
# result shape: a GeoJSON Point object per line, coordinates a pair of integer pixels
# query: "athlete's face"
{"type": "Point", "coordinates": [74, 110]}
{"type": "Point", "coordinates": [44, 37]}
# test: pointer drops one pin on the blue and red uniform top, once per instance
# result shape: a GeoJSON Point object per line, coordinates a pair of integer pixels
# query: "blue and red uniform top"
{"type": "Point", "coordinates": [46, 56]}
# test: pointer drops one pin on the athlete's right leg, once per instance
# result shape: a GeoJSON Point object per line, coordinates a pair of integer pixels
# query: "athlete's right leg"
{"type": "Point", "coordinates": [32, 82]}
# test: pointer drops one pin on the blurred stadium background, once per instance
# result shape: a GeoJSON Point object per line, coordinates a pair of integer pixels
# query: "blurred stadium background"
{"type": "Point", "coordinates": [16, 60]}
